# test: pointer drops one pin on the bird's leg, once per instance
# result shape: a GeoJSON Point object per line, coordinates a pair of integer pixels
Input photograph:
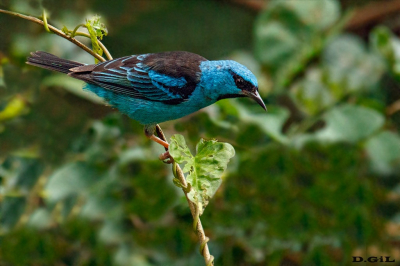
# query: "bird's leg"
{"type": "Point", "coordinates": [158, 140]}
{"type": "Point", "coordinates": [149, 132]}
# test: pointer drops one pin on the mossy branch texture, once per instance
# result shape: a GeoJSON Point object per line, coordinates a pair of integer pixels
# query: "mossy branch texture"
{"type": "Point", "coordinates": [204, 169]}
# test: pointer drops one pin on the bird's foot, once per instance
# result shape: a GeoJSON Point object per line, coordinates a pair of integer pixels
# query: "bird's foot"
{"type": "Point", "coordinates": [149, 132]}
{"type": "Point", "coordinates": [166, 157]}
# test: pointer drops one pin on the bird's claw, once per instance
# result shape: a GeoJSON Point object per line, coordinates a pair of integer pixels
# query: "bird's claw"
{"type": "Point", "coordinates": [166, 157]}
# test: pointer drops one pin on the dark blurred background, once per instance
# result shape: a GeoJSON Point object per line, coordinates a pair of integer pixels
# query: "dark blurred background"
{"type": "Point", "coordinates": [314, 181]}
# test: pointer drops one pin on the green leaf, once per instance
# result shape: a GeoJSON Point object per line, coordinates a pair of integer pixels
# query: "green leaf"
{"type": "Point", "coordinates": [28, 173]}
{"type": "Point", "coordinates": [96, 30]}
{"type": "Point", "coordinates": [20, 173]}
{"type": "Point", "coordinates": [180, 152]}
{"type": "Point", "coordinates": [350, 123]}
{"type": "Point", "coordinates": [286, 28]}
{"type": "Point", "coordinates": [205, 169]}
{"type": "Point", "coordinates": [111, 232]}
{"type": "Point", "coordinates": [384, 152]}
{"type": "Point", "coordinates": [15, 107]}
{"type": "Point", "coordinates": [388, 46]}
{"type": "Point", "coordinates": [99, 28]}
{"type": "Point", "coordinates": [2, 83]}
{"type": "Point", "coordinates": [381, 41]}
{"type": "Point", "coordinates": [72, 85]}
{"type": "Point", "coordinates": [275, 44]}
{"type": "Point", "coordinates": [40, 219]}
{"type": "Point", "coordinates": [350, 67]}
{"type": "Point", "coordinates": [101, 206]}
{"type": "Point", "coordinates": [270, 122]}
{"type": "Point", "coordinates": [312, 94]}
{"type": "Point", "coordinates": [71, 179]}
{"type": "Point", "coordinates": [316, 14]}
{"type": "Point", "coordinates": [11, 209]}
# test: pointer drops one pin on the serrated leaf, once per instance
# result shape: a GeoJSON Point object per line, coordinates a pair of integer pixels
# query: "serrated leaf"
{"type": "Point", "coordinates": [211, 161]}
{"type": "Point", "coordinates": [180, 151]}
{"type": "Point", "coordinates": [205, 169]}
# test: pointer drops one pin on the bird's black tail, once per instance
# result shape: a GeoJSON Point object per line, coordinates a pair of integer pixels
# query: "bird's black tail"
{"type": "Point", "coordinates": [52, 62]}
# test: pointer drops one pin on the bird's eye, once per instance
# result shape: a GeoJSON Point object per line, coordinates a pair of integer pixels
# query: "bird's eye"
{"type": "Point", "coordinates": [241, 83]}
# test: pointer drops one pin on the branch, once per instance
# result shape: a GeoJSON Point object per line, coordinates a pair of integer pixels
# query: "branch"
{"type": "Point", "coordinates": [197, 226]}
{"type": "Point", "coordinates": [393, 108]}
{"type": "Point", "coordinates": [254, 5]}
{"type": "Point", "coordinates": [56, 31]}
{"type": "Point", "coordinates": [106, 52]}
{"type": "Point", "coordinates": [372, 13]}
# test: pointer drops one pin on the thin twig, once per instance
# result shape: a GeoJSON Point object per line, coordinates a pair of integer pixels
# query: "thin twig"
{"type": "Point", "coordinates": [373, 13]}
{"type": "Point", "coordinates": [393, 108]}
{"type": "Point", "coordinates": [76, 29]}
{"type": "Point", "coordinates": [203, 239]}
{"type": "Point", "coordinates": [363, 16]}
{"type": "Point", "coordinates": [56, 31]}
{"type": "Point", "coordinates": [106, 52]}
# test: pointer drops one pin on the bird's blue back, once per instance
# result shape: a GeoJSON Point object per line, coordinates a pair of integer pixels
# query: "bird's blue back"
{"type": "Point", "coordinates": [153, 88]}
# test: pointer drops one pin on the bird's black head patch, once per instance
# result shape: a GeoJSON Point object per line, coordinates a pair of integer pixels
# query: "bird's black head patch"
{"type": "Point", "coordinates": [243, 84]}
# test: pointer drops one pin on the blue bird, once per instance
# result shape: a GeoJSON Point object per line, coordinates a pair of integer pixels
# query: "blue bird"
{"type": "Point", "coordinates": [154, 88]}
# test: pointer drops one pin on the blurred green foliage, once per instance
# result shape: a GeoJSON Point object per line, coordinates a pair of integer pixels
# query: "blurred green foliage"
{"type": "Point", "coordinates": [314, 181]}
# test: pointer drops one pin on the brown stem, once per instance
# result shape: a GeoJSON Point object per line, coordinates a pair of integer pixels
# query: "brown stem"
{"type": "Point", "coordinates": [203, 239]}
{"type": "Point", "coordinates": [393, 108]}
{"type": "Point", "coordinates": [373, 13]}
{"type": "Point", "coordinates": [56, 31]}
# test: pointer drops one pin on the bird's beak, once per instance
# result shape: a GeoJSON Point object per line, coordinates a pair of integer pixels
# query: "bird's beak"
{"type": "Point", "coordinates": [256, 97]}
